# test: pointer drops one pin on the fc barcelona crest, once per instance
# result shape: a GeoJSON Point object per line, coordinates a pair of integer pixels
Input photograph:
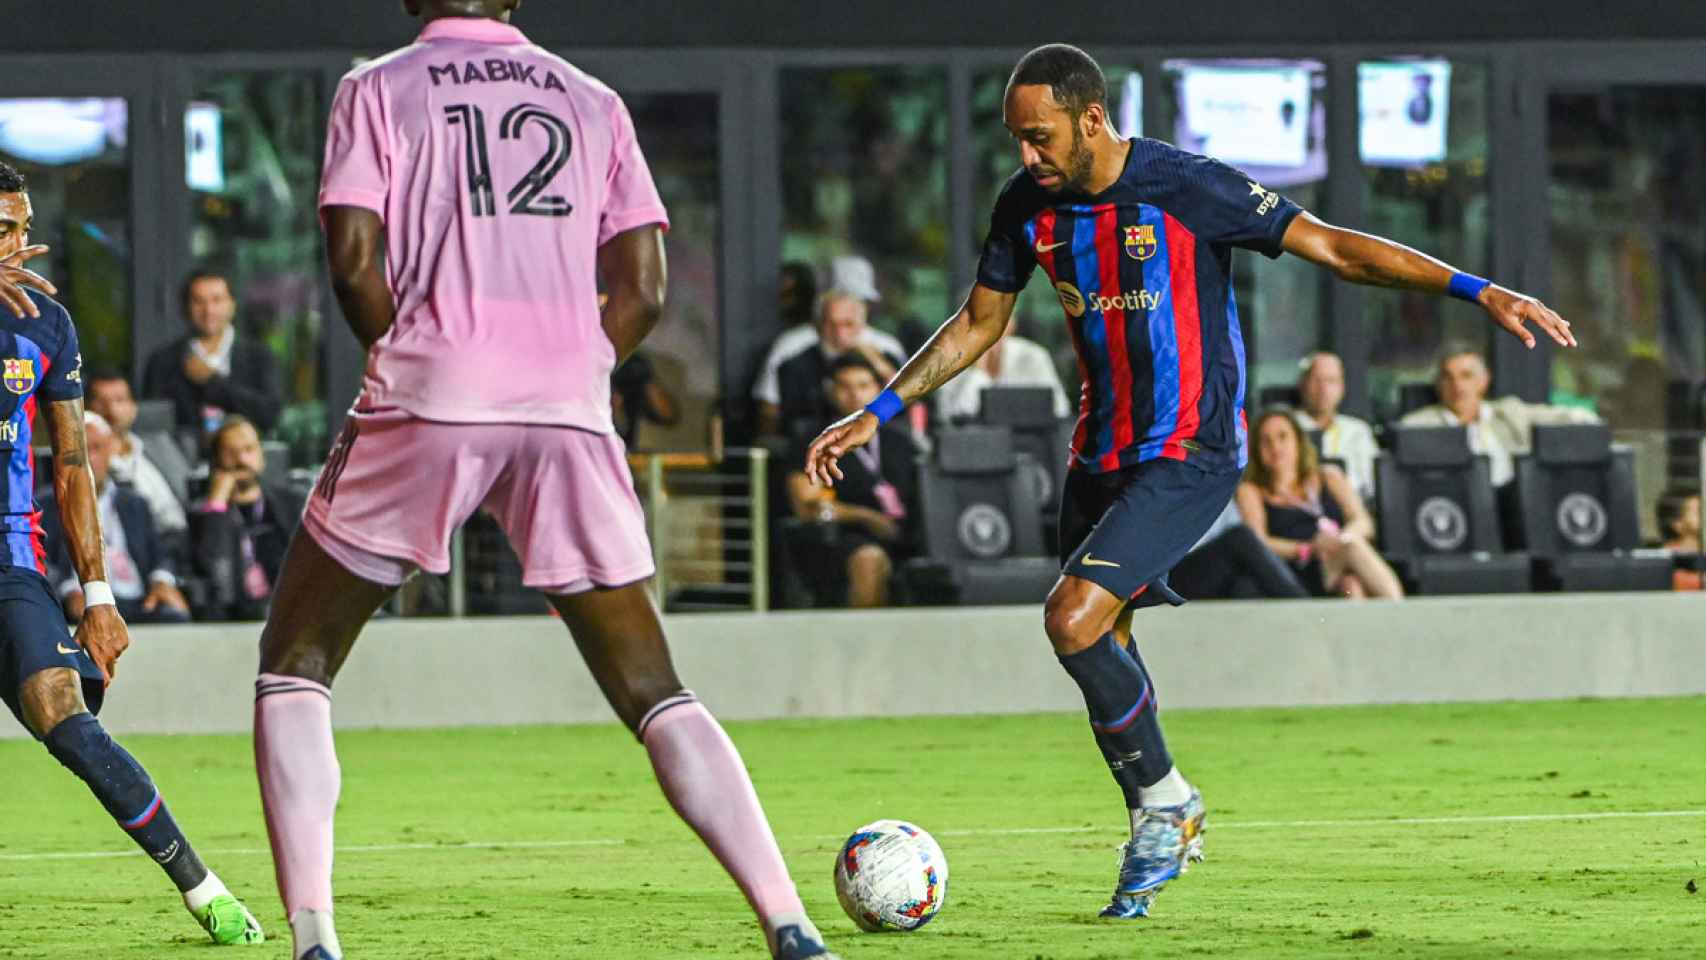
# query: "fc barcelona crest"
{"type": "Point", "coordinates": [20, 375]}
{"type": "Point", "coordinates": [1140, 241]}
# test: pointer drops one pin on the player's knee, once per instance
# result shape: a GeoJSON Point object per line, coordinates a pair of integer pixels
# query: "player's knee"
{"type": "Point", "coordinates": [51, 697]}
{"type": "Point", "coordinates": [1071, 624]}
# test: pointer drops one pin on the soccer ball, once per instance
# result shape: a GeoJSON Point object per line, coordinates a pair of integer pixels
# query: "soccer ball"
{"type": "Point", "coordinates": [890, 875]}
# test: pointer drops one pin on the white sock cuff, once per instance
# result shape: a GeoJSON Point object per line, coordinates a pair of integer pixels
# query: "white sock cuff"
{"type": "Point", "coordinates": [313, 928]}
{"type": "Point", "coordinates": [203, 893]}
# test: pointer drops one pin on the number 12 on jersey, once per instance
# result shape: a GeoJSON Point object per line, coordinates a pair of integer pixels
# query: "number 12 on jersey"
{"type": "Point", "coordinates": [527, 196]}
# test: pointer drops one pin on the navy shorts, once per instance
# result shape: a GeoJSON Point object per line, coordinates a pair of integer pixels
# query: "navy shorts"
{"type": "Point", "coordinates": [1125, 530]}
{"type": "Point", "coordinates": [34, 637]}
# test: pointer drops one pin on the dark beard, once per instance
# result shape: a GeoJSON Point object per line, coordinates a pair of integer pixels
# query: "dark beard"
{"type": "Point", "coordinates": [1080, 163]}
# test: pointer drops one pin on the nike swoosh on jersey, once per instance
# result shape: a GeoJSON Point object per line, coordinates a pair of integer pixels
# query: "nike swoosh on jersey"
{"type": "Point", "coordinates": [1090, 561]}
{"type": "Point", "coordinates": [1046, 247]}
{"type": "Point", "coordinates": [63, 649]}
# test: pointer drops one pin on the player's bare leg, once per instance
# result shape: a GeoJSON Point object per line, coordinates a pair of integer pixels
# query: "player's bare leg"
{"type": "Point", "coordinates": [1090, 629]}
{"type": "Point", "coordinates": [53, 707]}
{"type": "Point", "coordinates": [317, 612]}
{"type": "Point", "coordinates": [618, 633]}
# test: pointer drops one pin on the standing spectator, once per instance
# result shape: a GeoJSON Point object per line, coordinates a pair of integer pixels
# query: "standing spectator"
{"type": "Point", "coordinates": [139, 566]}
{"type": "Point", "coordinates": [875, 503]}
{"type": "Point", "coordinates": [1679, 524]}
{"type": "Point", "coordinates": [800, 305]}
{"type": "Point", "coordinates": [1501, 428]}
{"type": "Point", "coordinates": [1311, 515]}
{"type": "Point", "coordinates": [1321, 388]}
{"type": "Point", "coordinates": [153, 466]}
{"type": "Point", "coordinates": [211, 372]}
{"type": "Point", "coordinates": [243, 526]}
{"type": "Point", "coordinates": [842, 330]}
{"type": "Point", "coordinates": [1012, 362]}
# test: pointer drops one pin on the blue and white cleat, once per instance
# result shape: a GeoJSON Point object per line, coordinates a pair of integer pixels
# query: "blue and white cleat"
{"type": "Point", "coordinates": [800, 942]}
{"type": "Point", "coordinates": [319, 953]}
{"type": "Point", "coordinates": [1168, 839]}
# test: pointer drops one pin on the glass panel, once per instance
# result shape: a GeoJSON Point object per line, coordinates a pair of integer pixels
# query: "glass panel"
{"type": "Point", "coordinates": [864, 171]}
{"type": "Point", "coordinates": [1037, 314]}
{"type": "Point", "coordinates": [75, 155]}
{"type": "Point", "coordinates": [1628, 235]}
{"type": "Point", "coordinates": [678, 132]}
{"type": "Point", "coordinates": [1269, 119]}
{"type": "Point", "coordinates": [252, 166]}
{"type": "Point", "coordinates": [1423, 141]}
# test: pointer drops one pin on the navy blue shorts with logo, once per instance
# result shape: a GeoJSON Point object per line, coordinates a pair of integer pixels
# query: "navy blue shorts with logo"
{"type": "Point", "coordinates": [34, 637]}
{"type": "Point", "coordinates": [1126, 529]}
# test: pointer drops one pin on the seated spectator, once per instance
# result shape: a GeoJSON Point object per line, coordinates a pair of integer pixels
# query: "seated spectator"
{"type": "Point", "coordinates": [1012, 362]}
{"type": "Point", "coordinates": [1501, 428]}
{"type": "Point", "coordinates": [798, 304]}
{"type": "Point", "coordinates": [1231, 562]}
{"type": "Point", "coordinates": [1311, 515]}
{"type": "Point", "coordinates": [139, 567]}
{"type": "Point", "coordinates": [802, 379]}
{"type": "Point", "coordinates": [210, 371]}
{"type": "Point", "coordinates": [243, 526]}
{"type": "Point", "coordinates": [874, 506]}
{"type": "Point", "coordinates": [636, 395]}
{"type": "Point", "coordinates": [153, 466]}
{"type": "Point", "coordinates": [1679, 524]}
{"type": "Point", "coordinates": [1321, 388]}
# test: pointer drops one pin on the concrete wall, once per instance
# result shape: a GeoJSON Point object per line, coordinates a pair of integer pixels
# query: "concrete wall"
{"type": "Point", "coordinates": [968, 660]}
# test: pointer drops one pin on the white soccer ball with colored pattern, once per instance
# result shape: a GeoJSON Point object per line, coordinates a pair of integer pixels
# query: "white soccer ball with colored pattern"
{"type": "Point", "coordinates": [891, 875]}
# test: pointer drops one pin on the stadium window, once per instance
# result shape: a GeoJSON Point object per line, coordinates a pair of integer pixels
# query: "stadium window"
{"type": "Point", "coordinates": [864, 171]}
{"type": "Point", "coordinates": [997, 158]}
{"type": "Point", "coordinates": [1268, 118]}
{"type": "Point", "coordinates": [75, 155]}
{"type": "Point", "coordinates": [1422, 139]}
{"type": "Point", "coordinates": [252, 169]}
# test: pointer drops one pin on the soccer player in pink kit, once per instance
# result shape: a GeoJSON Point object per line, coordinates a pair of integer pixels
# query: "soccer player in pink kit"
{"type": "Point", "coordinates": [501, 182]}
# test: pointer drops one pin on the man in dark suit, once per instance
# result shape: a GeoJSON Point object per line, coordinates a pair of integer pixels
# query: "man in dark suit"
{"type": "Point", "coordinates": [243, 526]}
{"type": "Point", "coordinates": [139, 565]}
{"type": "Point", "coordinates": [211, 372]}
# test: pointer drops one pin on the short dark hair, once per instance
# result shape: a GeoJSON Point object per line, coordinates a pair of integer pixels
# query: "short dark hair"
{"type": "Point", "coordinates": [105, 375]}
{"type": "Point", "coordinates": [11, 181]}
{"type": "Point", "coordinates": [198, 275]}
{"type": "Point", "coordinates": [853, 360]}
{"type": "Point", "coordinates": [1073, 75]}
{"type": "Point", "coordinates": [231, 422]}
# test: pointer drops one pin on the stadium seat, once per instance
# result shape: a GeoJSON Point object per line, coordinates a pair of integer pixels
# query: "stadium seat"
{"type": "Point", "coordinates": [1438, 521]}
{"type": "Point", "coordinates": [1040, 438]}
{"type": "Point", "coordinates": [1575, 497]}
{"type": "Point", "coordinates": [982, 523]}
{"type": "Point", "coordinates": [154, 416]}
{"type": "Point", "coordinates": [1414, 396]}
{"type": "Point", "coordinates": [1283, 395]}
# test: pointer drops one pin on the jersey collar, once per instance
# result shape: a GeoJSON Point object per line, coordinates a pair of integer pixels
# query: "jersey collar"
{"type": "Point", "coordinates": [478, 29]}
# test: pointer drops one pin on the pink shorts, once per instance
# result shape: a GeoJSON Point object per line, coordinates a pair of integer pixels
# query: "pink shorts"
{"type": "Point", "coordinates": [395, 488]}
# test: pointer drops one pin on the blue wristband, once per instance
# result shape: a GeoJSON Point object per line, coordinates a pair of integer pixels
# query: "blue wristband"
{"type": "Point", "coordinates": [884, 408]}
{"type": "Point", "coordinates": [1467, 286]}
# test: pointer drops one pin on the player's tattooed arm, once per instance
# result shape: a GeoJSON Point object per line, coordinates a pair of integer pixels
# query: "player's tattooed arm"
{"type": "Point", "coordinates": [957, 344]}
{"type": "Point", "coordinates": [355, 254]}
{"type": "Point", "coordinates": [1376, 261]}
{"type": "Point", "coordinates": [101, 631]}
{"type": "Point", "coordinates": [636, 275]}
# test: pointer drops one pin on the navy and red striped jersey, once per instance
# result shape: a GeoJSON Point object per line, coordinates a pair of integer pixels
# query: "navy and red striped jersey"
{"type": "Point", "coordinates": [1144, 273]}
{"type": "Point", "coordinates": [38, 358]}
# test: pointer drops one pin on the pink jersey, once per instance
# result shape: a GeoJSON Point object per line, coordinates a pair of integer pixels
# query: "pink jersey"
{"type": "Point", "coordinates": [499, 170]}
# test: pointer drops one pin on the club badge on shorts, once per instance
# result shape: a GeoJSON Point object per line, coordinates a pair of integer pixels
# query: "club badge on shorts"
{"type": "Point", "coordinates": [20, 375]}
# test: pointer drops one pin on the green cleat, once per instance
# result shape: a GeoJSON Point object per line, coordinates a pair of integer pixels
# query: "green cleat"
{"type": "Point", "coordinates": [228, 922]}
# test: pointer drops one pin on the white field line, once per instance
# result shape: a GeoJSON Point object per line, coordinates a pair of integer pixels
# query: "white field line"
{"type": "Point", "coordinates": [990, 832]}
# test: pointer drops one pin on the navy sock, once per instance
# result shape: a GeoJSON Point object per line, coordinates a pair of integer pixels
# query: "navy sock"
{"type": "Point", "coordinates": [123, 787]}
{"type": "Point", "coordinates": [1122, 714]}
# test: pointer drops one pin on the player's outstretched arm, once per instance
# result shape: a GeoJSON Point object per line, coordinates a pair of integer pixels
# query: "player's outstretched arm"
{"type": "Point", "coordinates": [1376, 261]}
{"type": "Point", "coordinates": [635, 277]}
{"type": "Point", "coordinates": [354, 239]}
{"type": "Point", "coordinates": [102, 631]}
{"type": "Point", "coordinates": [14, 278]}
{"type": "Point", "coordinates": [954, 347]}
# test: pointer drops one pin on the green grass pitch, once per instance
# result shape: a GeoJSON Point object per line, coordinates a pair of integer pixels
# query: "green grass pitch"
{"type": "Point", "coordinates": [554, 842]}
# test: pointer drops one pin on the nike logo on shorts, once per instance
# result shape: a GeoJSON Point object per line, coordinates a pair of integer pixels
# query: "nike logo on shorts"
{"type": "Point", "coordinates": [1090, 561]}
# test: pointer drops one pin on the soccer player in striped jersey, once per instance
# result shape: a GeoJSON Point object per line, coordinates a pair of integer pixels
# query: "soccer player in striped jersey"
{"type": "Point", "coordinates": [54, 683]}
{"type": "Point", "coordinates": [1136, 237]}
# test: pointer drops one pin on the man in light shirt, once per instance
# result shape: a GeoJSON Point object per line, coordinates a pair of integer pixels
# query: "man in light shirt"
{"type": "Point", "coordinates": [154, 467]}
{"type": "Point", "coordinates": [1501, 428]}
{"type": "Point", "coordinates": [1321, 388]}
{"type": "Point", "coordinates": [1014, 361]}
{"type": "Point", "coordinates": [842, 328]}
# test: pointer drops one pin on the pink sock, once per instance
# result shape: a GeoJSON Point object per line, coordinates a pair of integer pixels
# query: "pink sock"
{"type": "Point", "coordinates": [702, 775]}
{"type": "Point", "coordinates": [298, 769]}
